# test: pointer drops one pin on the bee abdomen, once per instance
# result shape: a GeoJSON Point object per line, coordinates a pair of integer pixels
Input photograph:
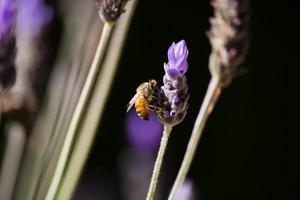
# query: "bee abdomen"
{"type": "Point", "coordinates": [141, 108]}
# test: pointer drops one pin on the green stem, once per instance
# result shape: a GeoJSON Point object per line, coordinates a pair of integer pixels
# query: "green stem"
{"type": "Point", "coordinates": [158, 162]}
{"type": "Point", "coordinates": [211, 97]}
{"type": "Point", "coordinates": [15, 142]}
{"type": "Point", "coordinates": [80, 107]}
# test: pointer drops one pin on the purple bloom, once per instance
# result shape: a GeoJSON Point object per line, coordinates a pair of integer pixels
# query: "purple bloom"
{"type": "Point", "coordinates": [7, 44]}
{"type": "Point", "coordinates": [7, 20]}
{"type": "Point", "coordinates": [175, 87]}
{"type": "Point", "coordinates": [33, 16]}
{"type": "Point", "coordinates": [143, 135]}
{"type": "Point", "coordinates": [177, 55]}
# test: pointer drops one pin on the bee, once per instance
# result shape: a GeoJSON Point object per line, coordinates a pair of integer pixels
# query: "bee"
{"type": "Point", "coordinates": [144, 99]}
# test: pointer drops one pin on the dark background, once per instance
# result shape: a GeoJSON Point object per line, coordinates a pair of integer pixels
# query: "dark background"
{"type": "Point", "coordinates": [250, 146]}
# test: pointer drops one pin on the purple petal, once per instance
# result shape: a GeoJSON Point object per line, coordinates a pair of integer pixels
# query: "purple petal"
{"type": "Point", "coordinates": [173, 73]}
{"type": "Point", "coordinates": [182, 68]}
{"type": "Point", "coordinates": [179, 48]}
{"type": "Point", "coordinates": [177, 99]}
{"type": "Point", "coordinates": [171, 53]}
{"type": "Point", "coordinates": [180, 63]}
{"type": "Point", "coordinates": [177, 56]}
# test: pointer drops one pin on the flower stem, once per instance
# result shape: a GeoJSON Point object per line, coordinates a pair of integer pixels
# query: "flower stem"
{"type": "Point", "coordinates": [158, 162]}
{"type": "Point", "coordinates": [94, 111]}
{"type": "Point", "coordinates": [80, 107]}
{"type": "Point", "coordinates": [211, 97]}
{"type": "Point", "coordinates": [15, 136]}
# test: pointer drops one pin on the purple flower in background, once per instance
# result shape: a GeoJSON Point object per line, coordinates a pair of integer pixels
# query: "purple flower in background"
{"type": "Point", "coordinates": [186, 191]}
{"type": "Point", "coordinates": [143, 135]}
{"type": "Point", "coordinates": [175, 87]}
{"type": "Point", "coordinates": [7, 20]}
{"type": "Point", "coordinates": [33, 16]}
{"type": "Point", "coordinates": [7, 44]}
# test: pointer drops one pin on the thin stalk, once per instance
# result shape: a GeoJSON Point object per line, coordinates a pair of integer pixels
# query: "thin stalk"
{"type": "Point", "coordinates": [158, 162]}
{"type": "Point", "coordinates": [211, 97]}
{"type": "Point", "coordinates": [94, 112]}
{"type": "Point", "coordinates": [15, 143]}
{"type": "Point", "coordinates": [80, 107]}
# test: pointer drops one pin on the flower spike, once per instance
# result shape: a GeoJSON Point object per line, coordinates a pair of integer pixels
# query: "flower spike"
{"type": "Point", "coordinates": [175, 89]}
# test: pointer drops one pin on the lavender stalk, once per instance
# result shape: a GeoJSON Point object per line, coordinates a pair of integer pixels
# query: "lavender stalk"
{"type": "Point", "coordinates": [15, 135]}
{"type": "Point", "coordinates": [79, 111]}
{"type": "Point", "coordinates": [109, 12]}
{"type": "Point", "coordinates": [159, 160]}
{"type": "Point", "coordinates": [228, 37]}
{"type": "Point", "coordinates": [173, 101]}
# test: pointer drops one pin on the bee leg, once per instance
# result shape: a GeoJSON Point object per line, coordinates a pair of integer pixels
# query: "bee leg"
{"type": "Point", "coordinates": [151, 107]}
{"type": "Point", "coordinates": [155, 108]}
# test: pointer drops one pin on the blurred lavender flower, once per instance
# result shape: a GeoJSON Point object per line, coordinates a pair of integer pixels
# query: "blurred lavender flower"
{"type": "Point", "coordinates": [186, 191]}
{"type": "Point", "coordinates": [110, 10]}
{"type": "Point", "coordinates": [229, 38]}
{"type": "Point", "coordinates": [7, 20]}
{"type": "Point", "coordinates": [7, 44]}
{"type": "Point", "coordinates": [136, 161]}
{"type": "Point", "coordinates": [31, 19]}
{"type": "Point", "coordinates": [33, 16]}
{"type": "Point", "coordinates": [175, 87]}
{"type": "Point", "coordinates": [141, 135]}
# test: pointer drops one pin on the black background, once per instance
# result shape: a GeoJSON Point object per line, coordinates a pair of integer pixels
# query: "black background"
{"type": "Point", "coordinates": [250, 146]}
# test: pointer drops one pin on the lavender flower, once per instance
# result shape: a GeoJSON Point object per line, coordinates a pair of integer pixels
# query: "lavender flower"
{"type": "Point", "coordinates": [229, 38]}
{"type": "Point", "coordinates": [110, 10]}
{"type": "Point", "coordinates": [7, 44]}
{"type": "Point", "coordinates": [141, 135]}
{"type": "Point", "coordinates": [7, 19]}
{"type": "Point", "coordinates": [175, 87]}
{"type": "Point", "coordinates": [33, 16]}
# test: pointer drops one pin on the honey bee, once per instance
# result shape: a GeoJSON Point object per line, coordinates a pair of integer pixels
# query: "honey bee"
{"type": "Point", "coordinates": [146, 94]}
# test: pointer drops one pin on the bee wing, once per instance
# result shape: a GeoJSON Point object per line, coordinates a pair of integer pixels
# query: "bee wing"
{"type": "Point", "coordinates": [139, 91]}
{"type": "Point", "coordinates": [142, 86]}
{"type": "Point", "coordinates": [132, 101]}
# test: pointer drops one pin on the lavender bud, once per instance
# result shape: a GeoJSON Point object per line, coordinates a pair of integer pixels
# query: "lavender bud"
{"type": "Point", "coordinates": [174, 91]}
{"type": "Point", "coordinates": [7, 44]}
{"type": "Point", "coordinates": [229, 38]}
{"type": "Point", "coordinates": [110, 10]}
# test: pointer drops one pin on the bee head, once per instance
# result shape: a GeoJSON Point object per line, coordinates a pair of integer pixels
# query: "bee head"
{"type": "Point", "coordinates": [152, 83]}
